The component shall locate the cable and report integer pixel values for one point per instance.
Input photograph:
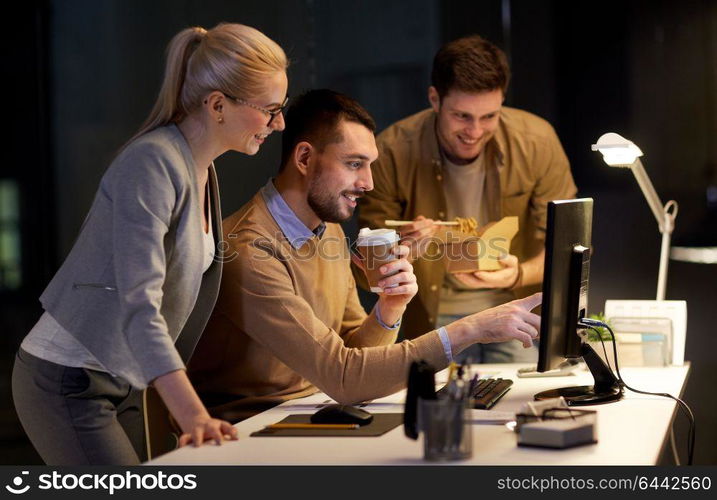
(592, 324)
(604, 349)
(673, 447)
(682, 405)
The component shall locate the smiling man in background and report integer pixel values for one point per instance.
(468, 156)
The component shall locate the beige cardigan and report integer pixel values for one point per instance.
(288, 322)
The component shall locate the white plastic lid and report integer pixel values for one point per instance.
(372, 237)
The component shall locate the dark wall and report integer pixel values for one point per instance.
(647, 73)
(106, 75)
(26, 163)
(102, 90)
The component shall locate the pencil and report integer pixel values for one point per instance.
(314, 426)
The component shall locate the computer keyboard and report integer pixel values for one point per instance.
(488, 391)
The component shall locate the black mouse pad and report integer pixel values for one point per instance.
(381, 424)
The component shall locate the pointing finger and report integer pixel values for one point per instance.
(530, 302)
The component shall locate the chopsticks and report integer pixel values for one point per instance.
(394, 223)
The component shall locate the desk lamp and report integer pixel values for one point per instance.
(620, 152)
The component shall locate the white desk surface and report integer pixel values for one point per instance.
(630, 432)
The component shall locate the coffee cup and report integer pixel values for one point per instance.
(376, 247)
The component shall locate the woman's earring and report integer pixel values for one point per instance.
(221, 119)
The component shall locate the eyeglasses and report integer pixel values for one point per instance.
(271, 112)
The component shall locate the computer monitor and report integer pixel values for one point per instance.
(565, 302)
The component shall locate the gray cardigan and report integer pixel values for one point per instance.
(133, 281)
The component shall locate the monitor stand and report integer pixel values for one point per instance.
(605, 390)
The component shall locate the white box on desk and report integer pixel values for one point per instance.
(675, 310)
(643, 342)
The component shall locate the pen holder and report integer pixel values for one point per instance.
(446, 428)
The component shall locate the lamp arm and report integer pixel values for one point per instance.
(665, 216)
(648, 190)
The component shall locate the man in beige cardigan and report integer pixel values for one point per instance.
(288, 321)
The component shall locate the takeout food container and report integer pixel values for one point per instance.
(468, 253)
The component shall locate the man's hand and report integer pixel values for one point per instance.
(511, 321)
(417, 236)
(398, 289)
(507, 277)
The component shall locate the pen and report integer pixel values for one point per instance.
(313, 426)
(460, 385)
(473, 383)
(452, 370)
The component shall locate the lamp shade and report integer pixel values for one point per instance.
(616, 150)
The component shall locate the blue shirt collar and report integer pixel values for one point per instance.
(294, 230)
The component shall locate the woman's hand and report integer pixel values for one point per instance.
(205, 428)
(189, 412)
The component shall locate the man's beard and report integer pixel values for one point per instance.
(324, 204)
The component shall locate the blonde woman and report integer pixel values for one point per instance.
(144, 272)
